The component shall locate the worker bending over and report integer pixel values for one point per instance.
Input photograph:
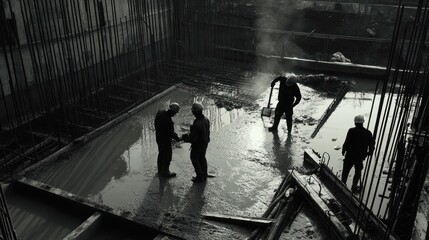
(289, 96)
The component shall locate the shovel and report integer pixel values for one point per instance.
(267, 111)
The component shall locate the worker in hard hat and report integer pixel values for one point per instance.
(164, 128)
(358, 145)
(199, 137)
(289, 96)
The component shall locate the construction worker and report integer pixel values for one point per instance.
(359, 143)
(164, 128)
(289, 96)
(199, 138)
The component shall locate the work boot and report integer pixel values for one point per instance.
(169, 174)
(272, 129)
(197, 180)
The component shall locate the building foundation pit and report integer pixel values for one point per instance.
(128, 156)
(116, 168)
(137, 172)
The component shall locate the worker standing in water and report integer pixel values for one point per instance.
(164, 128)
(199, 137)
(289, 96)
(358, 145)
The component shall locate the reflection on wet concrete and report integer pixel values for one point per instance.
(282, 152)
(118, 168)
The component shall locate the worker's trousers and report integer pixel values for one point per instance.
(165, 154)
(281, 109)
(199, 161)
(347, 166)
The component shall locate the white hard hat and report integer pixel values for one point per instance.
(197, 107)
(175, 107)
(359, 119)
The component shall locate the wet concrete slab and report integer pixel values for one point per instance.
(118, 168)
(36, 217)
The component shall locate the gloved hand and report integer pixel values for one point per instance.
(185, 137)
(273, 83)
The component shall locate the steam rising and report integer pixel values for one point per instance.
(274, 15)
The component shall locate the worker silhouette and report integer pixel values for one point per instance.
(359, 143)
(164, 128)
(199, 137)
(289, 96)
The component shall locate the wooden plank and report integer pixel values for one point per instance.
(330, 109)
(47, 136)
(311, 158)
(286, 217)
(120, 99)
(354, 203)
(327, 196)
(314, 196)
(84, 230)
(248, 221)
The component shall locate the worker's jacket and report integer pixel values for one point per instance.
(200, 133)
(288, 95)
(164, 127)
(358, 144)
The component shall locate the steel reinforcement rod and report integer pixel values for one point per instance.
(415, 80)
(7, 229)
(77, 47)
(28, 96)
(57, 73)
(384, 86)
(92, 47)
(116, 39)
(33, 45)
(412, 56)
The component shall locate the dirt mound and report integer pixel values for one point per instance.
(325, 84)
(227, 104)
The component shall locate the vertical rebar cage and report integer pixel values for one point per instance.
(6, 226)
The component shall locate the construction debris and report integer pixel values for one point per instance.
(247, 221)
(339, 57)
(328, 85)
